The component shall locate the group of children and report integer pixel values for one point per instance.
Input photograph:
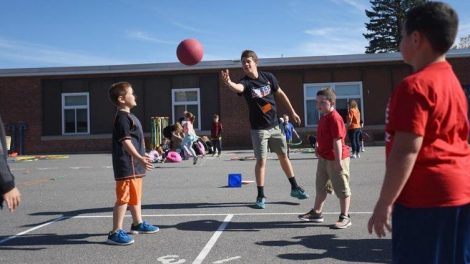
(181, 142)
(425, 194)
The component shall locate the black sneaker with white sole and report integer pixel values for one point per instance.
(312, 216)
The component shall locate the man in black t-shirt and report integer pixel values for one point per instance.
(261, 91)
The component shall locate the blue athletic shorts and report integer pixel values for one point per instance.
(431, 235)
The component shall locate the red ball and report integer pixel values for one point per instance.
(190, 51)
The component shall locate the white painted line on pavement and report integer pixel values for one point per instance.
(192, 215)
(55, 168)
(216, 235)
(226, 260)
(32, 229)
(213, 240)
(79, 168)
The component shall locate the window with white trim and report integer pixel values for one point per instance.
(75, 114)
(345, 91)
(187, 99)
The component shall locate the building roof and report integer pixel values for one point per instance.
(210, 65)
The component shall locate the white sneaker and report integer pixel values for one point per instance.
(353, 156)
(358, 155)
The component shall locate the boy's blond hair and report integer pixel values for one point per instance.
(328, 93)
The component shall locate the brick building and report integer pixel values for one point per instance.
(66, 109)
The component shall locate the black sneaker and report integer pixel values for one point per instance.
(312, 216)
(344, 221)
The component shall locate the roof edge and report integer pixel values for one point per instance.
(210, 65)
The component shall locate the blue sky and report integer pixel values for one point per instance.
(56, 33)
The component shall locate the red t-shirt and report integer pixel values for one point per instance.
(331, 126)
(431, 103)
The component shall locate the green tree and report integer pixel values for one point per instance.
(464, 43)
(386, 19)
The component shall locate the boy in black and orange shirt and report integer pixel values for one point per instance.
(129, 165)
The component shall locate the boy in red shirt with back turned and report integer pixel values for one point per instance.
(426, 190)
(333, 161)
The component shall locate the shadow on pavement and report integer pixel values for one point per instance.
(350, 250)
(211, 225)
(49, 239)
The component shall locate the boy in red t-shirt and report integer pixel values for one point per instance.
(426, 190)
(333, 161)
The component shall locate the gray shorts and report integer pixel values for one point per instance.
(273, 137)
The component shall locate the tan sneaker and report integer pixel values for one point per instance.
(344, 221)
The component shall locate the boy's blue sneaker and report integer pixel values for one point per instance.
(299, 193)
(144, 228)
(260, 203)
(120, 237)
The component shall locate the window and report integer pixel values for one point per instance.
(75, 114)
(344, 92)
(186, 100)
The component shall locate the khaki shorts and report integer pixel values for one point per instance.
(273, 137)
(129, 191)
(326, 171)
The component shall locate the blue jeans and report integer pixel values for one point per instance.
(431, 235)
(353, 135)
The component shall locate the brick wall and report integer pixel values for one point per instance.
(234, 115)
(20, 102)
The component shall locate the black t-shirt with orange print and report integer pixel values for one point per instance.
(127, 126)
(259, 95)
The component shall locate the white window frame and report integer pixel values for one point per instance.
(198, 102)
(333, 86)
(87, 107)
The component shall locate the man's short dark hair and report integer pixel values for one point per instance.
(249, 53)
(435, 20)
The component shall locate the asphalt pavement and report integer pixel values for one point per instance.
(66, 213)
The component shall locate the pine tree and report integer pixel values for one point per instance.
(384, 27)
(464, 43)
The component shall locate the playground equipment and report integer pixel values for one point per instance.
(158, 123)
(17, 142)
